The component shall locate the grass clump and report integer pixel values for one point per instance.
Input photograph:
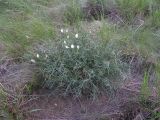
(80, 66)
(22, 5)
(144, 8)
(155, 17)
(149, 97)
(145, 90)
(18, 36)
(22, 25)
(141, 40)
(16, 5)
(73, 13)
(4, 113)
(130, 9)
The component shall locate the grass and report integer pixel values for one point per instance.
(73, 13)
(155, 18)
(145, 90)
(4, 113)
(19, 35)
(80, 71)
(96, 65)
(128, 10)
(132, 8)
(157, 81)
(146, 93)
(20, 28)
(107, 32)
(143, 38)
(139, 41)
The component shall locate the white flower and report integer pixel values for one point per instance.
(66, 47)
(78, 47)
(33, 61)
(72, 46)
(55, 104)
(46, 56)
(90, 31)
(67, 36)
(66, 30)
(27, 36)
(65, 42)
(37, 55)
(76, 36)
(62, 31)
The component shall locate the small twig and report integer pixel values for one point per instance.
(133, 84)
(114, 113)
(6, 91)
(28, 101)
(137, 91)
(120, 19)
(142, 23)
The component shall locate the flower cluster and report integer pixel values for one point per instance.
(66, 45)
(62, 30)
(75, 63)
(38, 56)
(72, 46)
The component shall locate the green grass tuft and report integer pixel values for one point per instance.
(73, 13)
(90, 70)
(21, 25)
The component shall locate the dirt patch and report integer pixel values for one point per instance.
(13, 79)
(124, 106)
(53, 108)
(15, 76)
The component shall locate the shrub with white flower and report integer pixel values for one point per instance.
(78, 47)
(76, 35)
(66, 30)
(33, 61)
(65, 42)
(66, 47)
(37, 55)
(91, 70)
(72, 46)
(46, 56)
(27, 37)
(62, 30)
